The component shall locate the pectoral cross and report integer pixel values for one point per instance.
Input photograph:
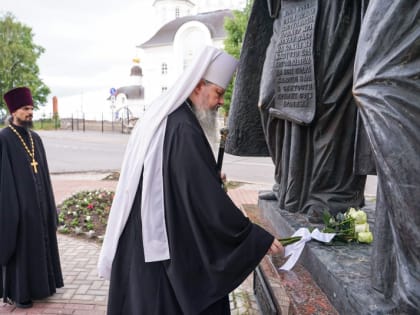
(34, 165)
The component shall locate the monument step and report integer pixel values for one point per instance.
(342, 272)
(285, 293)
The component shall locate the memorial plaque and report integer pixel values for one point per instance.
(295, 97)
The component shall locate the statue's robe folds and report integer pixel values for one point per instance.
(387, 91)
(28, 221)
(213, 246)
(315, 165)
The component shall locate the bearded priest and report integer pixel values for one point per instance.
(28, 217)
(175, 242)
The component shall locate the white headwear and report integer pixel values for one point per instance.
(145, 151)
(221, 70)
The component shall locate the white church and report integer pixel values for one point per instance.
(183, 28)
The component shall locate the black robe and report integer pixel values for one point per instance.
(28, 221)
(213, 246)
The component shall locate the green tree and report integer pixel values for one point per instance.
(235, 28)
(18, 61)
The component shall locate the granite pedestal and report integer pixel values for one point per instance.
(341, 271)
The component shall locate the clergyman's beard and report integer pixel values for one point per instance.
(26, 124)
(23, 123)
(208, 121)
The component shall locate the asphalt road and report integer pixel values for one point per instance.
(75, 152)
(72, 152)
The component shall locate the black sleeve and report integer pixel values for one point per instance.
(193, 172)
(9, 208)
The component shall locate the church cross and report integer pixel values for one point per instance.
(34, 165)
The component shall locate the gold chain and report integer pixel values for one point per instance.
(34, 163)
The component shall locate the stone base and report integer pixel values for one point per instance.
(341, 271)
(285, 293)
(270, 293)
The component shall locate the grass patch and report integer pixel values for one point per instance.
(46, 124)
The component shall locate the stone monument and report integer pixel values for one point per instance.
(330, 90)
(387, 91)
(303, 88)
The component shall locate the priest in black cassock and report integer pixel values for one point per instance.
(28, 218)
(175, 242)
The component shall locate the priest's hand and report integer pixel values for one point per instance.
(276, 248)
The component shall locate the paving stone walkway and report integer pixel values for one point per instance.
(84, 292)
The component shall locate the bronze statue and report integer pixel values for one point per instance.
(304, 93)
(387, 91)
(300, 62)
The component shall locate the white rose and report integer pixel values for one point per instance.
(365, 237)
(360, 217)
(364, 227)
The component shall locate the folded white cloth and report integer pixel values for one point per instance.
(295, 250)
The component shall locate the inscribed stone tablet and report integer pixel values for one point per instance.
(294, 62)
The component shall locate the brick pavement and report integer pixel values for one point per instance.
(84, 293)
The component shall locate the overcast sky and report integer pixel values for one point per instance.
(89, 44)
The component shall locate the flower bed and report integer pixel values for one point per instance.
(85, 214)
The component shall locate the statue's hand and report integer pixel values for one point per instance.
(264, 103)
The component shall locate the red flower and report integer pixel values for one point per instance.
(90, 206)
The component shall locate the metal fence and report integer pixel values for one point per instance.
(85, 121)
(81, 124)
(78, 122)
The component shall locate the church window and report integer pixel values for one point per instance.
(164, 88)
(164, 68)
(176, 12)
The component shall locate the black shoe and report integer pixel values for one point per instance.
(267, 195)
(26, 304)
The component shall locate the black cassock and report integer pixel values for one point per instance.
(213, 246)
(28, 221)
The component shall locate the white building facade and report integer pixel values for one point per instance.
(187, 26)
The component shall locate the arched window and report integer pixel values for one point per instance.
(164, 88)
(176, 12)
(164, 68)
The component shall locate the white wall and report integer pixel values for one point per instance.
(213, 5)
(153, 80)
(190, 37)
(165, 10)
(189, 40)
